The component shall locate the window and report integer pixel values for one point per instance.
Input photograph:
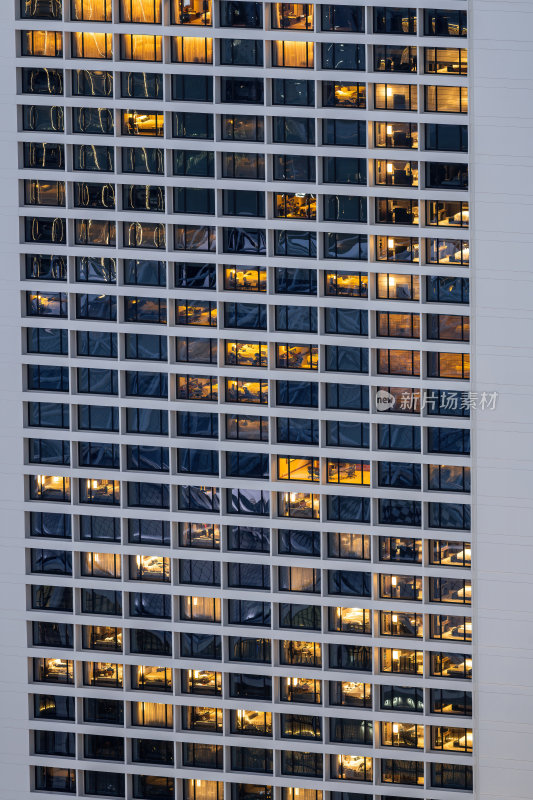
(192, 50)
(393, 58)
(344, 132)
(447, 137)
(440, 22)
(343, 55)
(446, 99)
(343, 95)
(394, 20)
(291, 92)
(396, 97)
(185, 12)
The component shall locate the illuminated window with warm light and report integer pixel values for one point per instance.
(403, 135)
(451, 665)
(446, 60)
(401, 623)
(301, 690)
(448, 251)
(141, 11)
(100, 491)
(44, 44)
(298, 469)
(396, 173)
(295, 206)
(50, 487)
(343, 471)
(297, 55)
(346, 284)
(203, 682)
(397, 287)
(398, 362)
(192, 50)
(150, 568)
(292, 16)
(450, 628)
(405, 662)
(101, 673)
(446, 99)
(152, 679)
(299, 504)
(352, 767)
(404, 326)
(140, 47)
(448, 365)
(142, 123)
(350, 693)
(395, 97)
(91, 10)
(152, 715)
(246, 391)
(245, 279)
(402, 734)
(456, 740)
(350, 620)
(296, 356)
(400, 587)
(191, 12)
(200, 609)
(350, 95)
(92, 45)
(254, 723)
(349, 545)
(246, 354)
(397, 248)
(447, 213)
(101, 565)
(450, 554)
(200, 534)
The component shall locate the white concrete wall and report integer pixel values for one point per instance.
(14, 777)
(502, 310)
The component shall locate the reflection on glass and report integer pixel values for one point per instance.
(246, 354)
(458, 740)
(245, 279)
(245, 391)
(200, 534)
(296, 356)
(91, 10)
(143, 11)
(346, 284)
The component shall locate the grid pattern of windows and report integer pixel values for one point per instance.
(217, 403)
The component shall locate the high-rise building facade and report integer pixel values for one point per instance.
(247, 475)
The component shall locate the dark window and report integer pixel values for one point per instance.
(242, 90)
(290, 92)
(343, 55)
(192, 88)
(394, 20)
(447, 137)
(344, 132)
